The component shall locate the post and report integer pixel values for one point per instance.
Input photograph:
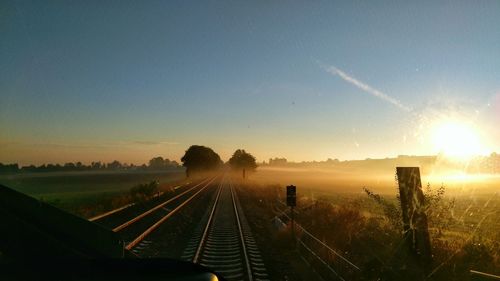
(243, 173)
(291, 201)
(414, 218)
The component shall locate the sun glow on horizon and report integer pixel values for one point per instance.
(456, 139)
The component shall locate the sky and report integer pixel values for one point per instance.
(305, 80)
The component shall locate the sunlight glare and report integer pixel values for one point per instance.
(456, 139)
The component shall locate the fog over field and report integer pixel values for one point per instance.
(352, 180)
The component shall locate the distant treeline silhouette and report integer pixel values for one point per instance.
(156, 163)
(479, 164)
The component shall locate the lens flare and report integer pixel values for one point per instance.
(456, 139)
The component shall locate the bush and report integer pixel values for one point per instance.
(143, 192)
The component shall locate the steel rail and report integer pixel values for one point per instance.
(162, 220)
(223, 240)
(207, 227)
(110, 212)
(137, 218)
(240, 230)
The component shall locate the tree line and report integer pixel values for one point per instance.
(156, 163)
(197, 158)
(200, 158)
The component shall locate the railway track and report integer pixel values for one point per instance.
(223, 240)
(135, 229)
(117, 217)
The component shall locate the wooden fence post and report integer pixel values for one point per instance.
(414, 218)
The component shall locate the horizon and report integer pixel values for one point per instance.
(83, 81)
(258, 161)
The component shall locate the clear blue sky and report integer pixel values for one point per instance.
(103, 80)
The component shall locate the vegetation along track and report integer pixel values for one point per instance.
(223, 241)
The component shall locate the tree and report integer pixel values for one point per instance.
(69, 166)
(241, 160)
(115, 165)
(157, 163)
(96, 165)
(142, 192)
(200, 158)
(9, 168)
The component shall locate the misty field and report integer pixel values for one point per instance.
(463, 216)
(86, 193)
(314, 182)
(475, 198)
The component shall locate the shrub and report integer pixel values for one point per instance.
(143, 192)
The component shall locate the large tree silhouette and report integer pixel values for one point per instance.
(200, 158)
(241, 160)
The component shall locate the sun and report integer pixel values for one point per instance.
(456, 139)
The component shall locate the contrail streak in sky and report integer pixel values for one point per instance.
(365, 87)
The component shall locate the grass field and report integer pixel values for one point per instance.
(85, 193)
(464, 225)
(342, 180)
(476, 205)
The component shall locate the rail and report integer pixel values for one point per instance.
(148, 231)
(244, 248)
(139, 217)
(224, 242)
(205, 231)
